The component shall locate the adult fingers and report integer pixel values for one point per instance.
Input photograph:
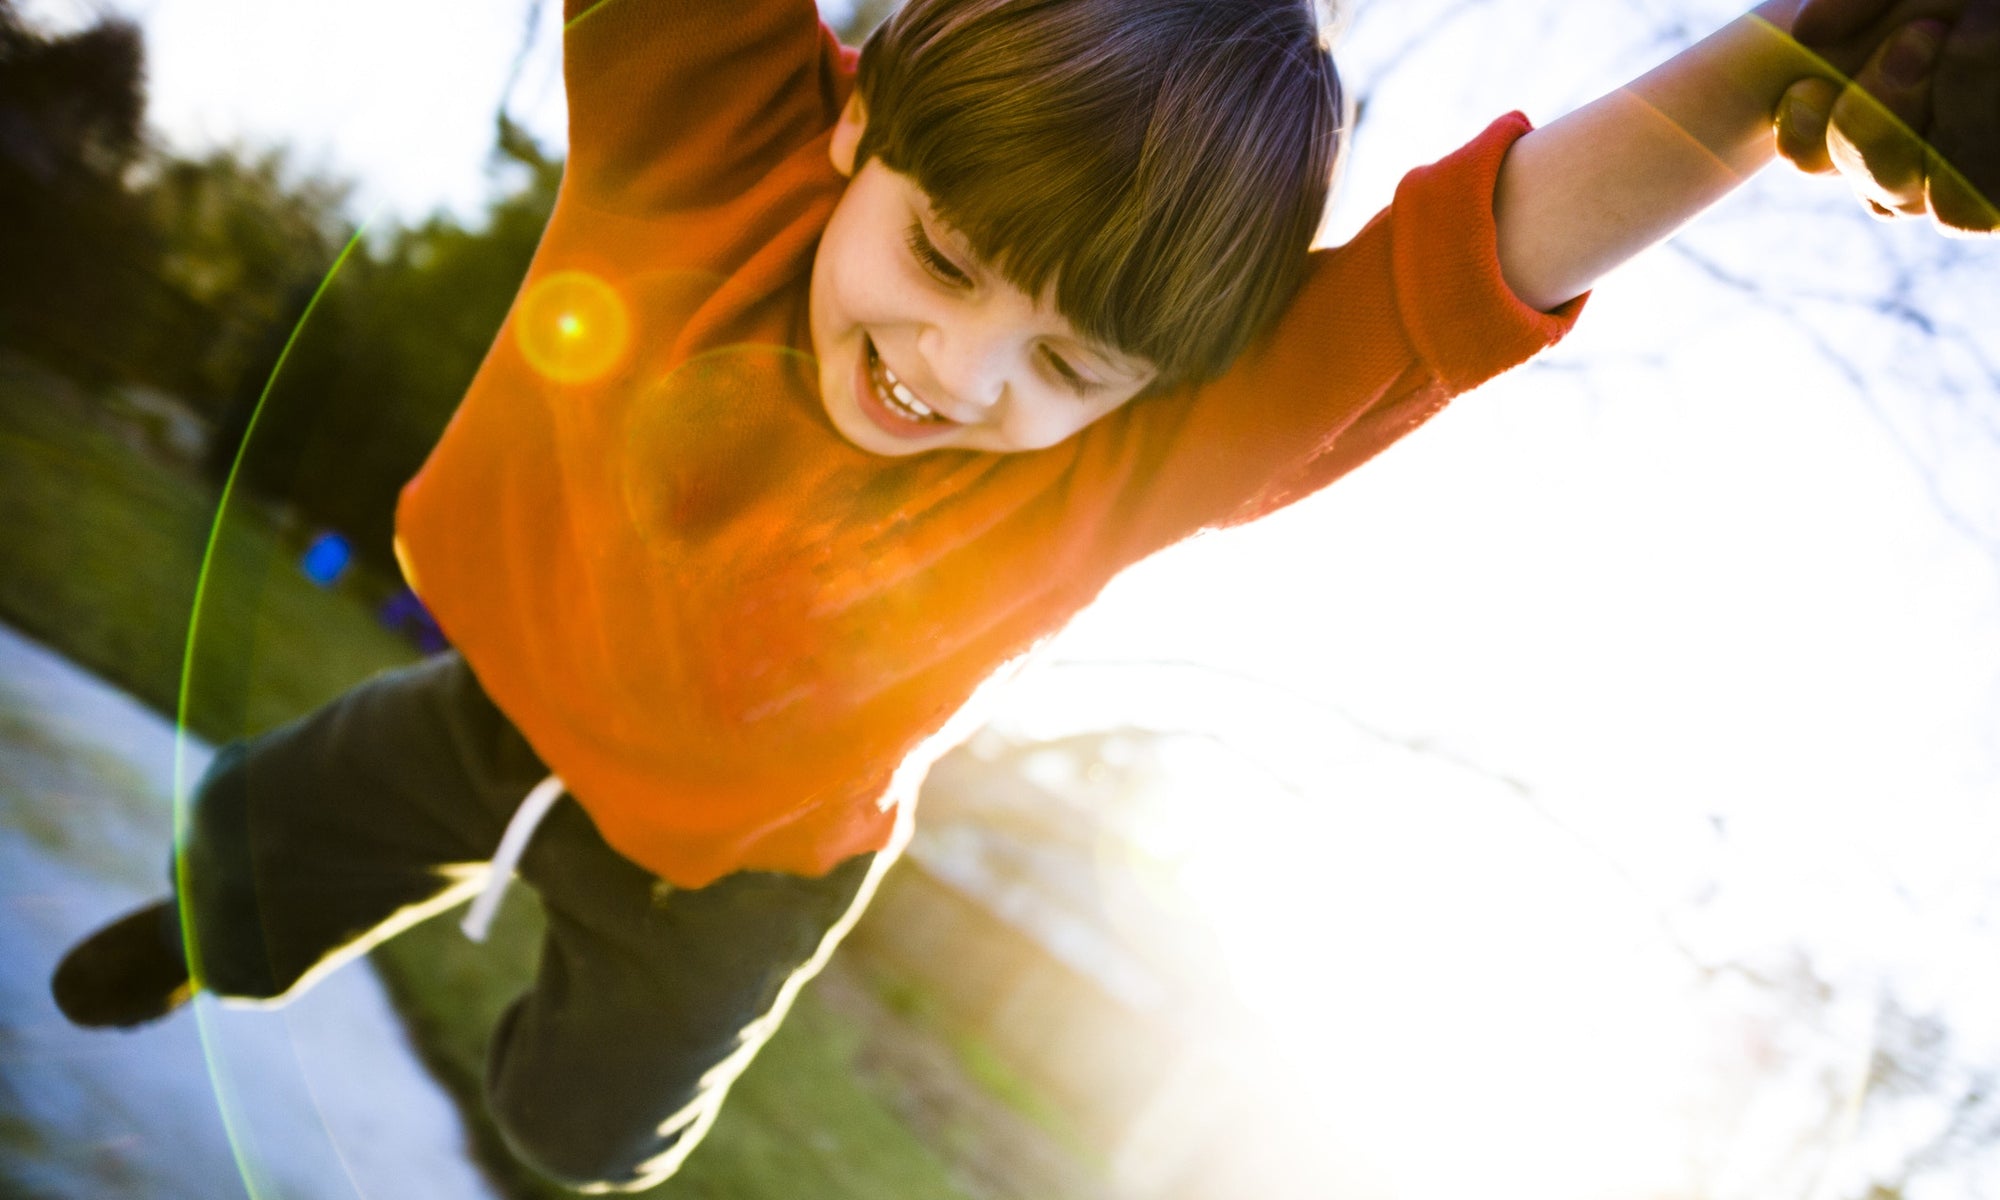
(1872, 132)
(1960, 209)
(1823, 21)
(1964, 193)
(1849, 52)
(1803, 113)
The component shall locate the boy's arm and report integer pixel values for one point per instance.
(1581, 195)
(679, 104)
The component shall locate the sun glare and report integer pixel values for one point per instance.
(1444, 988)
(1434, 990)
(572, 326)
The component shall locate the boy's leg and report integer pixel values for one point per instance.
(312, 842)
(317, 840)
(649, 1002)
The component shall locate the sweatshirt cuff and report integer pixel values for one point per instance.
(1463, 319)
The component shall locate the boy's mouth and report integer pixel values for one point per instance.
(889, 402)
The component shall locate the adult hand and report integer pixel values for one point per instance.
(1916, 131)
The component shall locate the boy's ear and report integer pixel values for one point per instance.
(847, 133)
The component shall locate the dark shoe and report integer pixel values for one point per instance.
(128, 973)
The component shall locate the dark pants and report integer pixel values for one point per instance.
(315, 841)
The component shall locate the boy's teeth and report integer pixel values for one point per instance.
(898, 394)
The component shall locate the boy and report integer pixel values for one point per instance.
(827, 395)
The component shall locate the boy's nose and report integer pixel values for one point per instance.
(969, 366)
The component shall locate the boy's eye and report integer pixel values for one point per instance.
(1070, 377)
(933, 259)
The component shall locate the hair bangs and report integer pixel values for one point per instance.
(1160, 168)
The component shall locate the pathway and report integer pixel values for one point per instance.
(333, 1101)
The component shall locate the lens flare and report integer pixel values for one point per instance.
(572, 327)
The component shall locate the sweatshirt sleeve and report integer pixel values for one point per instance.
(1384, 331)
(1465, 322)
(677, 104)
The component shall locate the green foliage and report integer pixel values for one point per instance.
(125, 262)
(72, 102)
(75, 242)
(129, 264)
(240, 238)
(388, 350)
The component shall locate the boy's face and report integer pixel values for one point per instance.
(923, 347)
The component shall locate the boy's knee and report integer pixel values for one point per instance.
(583, 1137)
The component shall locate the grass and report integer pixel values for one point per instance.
(103, 547)
(100, 559)
(917, 1009)
(801, 1122)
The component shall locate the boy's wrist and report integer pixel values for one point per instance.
(1585, 193)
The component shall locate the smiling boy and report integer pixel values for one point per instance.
(984, 366)
(1055, 210)
(826, 397)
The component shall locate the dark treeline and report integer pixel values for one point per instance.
(123, 263)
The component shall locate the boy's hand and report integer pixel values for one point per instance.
(1916, 131)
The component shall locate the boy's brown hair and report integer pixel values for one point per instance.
(1164, 163)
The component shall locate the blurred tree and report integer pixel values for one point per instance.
(70, 103)
(127, 263)
(76, 243)
(239, 236)
(384, 357)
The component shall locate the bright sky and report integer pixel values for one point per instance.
(1683, 581)
(400, 97)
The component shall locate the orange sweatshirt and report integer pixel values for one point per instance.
(726, 628)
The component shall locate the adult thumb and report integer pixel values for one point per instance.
(1803, 113)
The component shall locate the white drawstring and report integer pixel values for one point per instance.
(513, 843)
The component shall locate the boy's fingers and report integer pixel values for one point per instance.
(1965, 124)
(1801, 125)
(1872, 133)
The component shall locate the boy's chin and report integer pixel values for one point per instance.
(854, 428)
(856, 432)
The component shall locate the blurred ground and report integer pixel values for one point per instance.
(336, 1104)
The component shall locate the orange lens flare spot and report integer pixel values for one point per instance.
(572, 326)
